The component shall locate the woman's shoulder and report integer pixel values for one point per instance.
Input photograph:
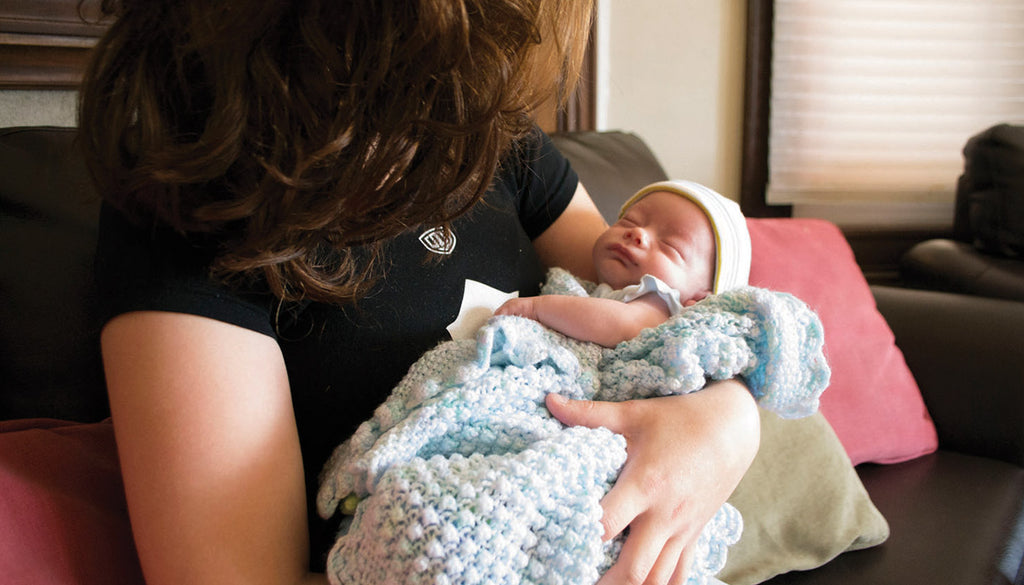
(539, 179)
(147, 266)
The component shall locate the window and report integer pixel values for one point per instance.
(871, 101)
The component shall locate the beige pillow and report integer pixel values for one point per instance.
(802, 503)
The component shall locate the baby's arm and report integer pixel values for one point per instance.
(603, 321)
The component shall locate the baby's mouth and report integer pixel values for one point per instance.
(623, 254)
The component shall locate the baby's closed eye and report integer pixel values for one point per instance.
(673, 248)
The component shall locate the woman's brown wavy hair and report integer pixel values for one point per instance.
(316, 130)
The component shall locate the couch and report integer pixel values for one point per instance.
(932, 471)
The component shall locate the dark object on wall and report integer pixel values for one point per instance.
(990, 193)
(985, 257)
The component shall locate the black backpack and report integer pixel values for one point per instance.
(990, 192)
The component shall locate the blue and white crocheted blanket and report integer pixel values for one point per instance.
(463, 476)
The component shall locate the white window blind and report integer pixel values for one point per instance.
(873, 100)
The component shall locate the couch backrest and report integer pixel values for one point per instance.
(612, 165)
(49, 350)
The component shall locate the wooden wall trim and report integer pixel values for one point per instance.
(44, 44)
(580, 112)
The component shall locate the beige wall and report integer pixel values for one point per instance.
(672, 71)
(37, 108)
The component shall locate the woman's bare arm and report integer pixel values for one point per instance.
(568, 243)
(209, 451)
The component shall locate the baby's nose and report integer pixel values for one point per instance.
(637, 237)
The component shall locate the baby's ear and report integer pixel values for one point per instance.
(699, 296)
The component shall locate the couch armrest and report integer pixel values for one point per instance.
(966, 355)
(949, 265)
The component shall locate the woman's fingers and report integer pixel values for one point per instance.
(588, 413)
(650, 557)
(683, 566)
(623, 502)
(639, 554)
(621, 505)
(672, 563)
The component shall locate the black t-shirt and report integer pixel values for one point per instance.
(342, 361)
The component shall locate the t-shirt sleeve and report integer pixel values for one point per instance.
(546, 183)
(143, 269)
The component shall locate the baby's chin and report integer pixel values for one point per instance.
(615, 278)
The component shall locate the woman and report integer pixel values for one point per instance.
(297, 193)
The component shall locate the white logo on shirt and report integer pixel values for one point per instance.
(438, 240)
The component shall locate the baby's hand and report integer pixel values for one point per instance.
(520, 307)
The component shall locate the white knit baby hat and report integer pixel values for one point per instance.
(732, 240)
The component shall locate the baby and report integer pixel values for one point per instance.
(675, 243)
(464, 476)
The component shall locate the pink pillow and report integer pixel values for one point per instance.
(62, 505)
(873, 402)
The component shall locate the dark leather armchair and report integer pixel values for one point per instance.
(985, 255)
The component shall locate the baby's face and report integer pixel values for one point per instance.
(664, 235)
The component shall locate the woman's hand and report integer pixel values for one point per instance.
(686, 454)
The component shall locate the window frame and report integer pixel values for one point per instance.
(756, 104)
(877, 250)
